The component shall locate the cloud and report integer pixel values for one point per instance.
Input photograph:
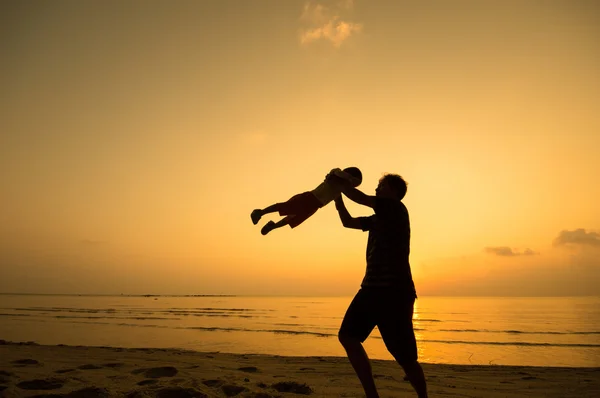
(506, 251)
(326, 23)
(557, 273)
(577, 237)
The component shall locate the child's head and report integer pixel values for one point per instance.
(354, 172)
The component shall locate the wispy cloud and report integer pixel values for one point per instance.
(331, 23)
(505, 251)
(577, 237)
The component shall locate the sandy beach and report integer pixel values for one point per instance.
(31, 370)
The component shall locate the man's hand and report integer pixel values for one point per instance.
(331, 177)
(347, 220)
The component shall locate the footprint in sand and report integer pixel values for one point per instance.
(155, 373)
(88, 392)
(249, 369)
(147, 382)
(213, 383)
(41, 384)
(60, 371)
(293, 387)
(231, 390)
(4, 377)
(169, 392)
(259, 395)
(179, 392)
(89, 366)
(528, 378)
(113, 365)
(23, 362)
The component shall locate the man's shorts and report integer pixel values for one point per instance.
(391, 312)
(299, 207)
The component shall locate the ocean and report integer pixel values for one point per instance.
(556, 331)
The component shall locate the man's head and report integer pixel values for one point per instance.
(356, 173)
(391, 186)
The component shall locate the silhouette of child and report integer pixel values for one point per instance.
(303, 205)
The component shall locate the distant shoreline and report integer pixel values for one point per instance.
(117, 295)
(262, 295)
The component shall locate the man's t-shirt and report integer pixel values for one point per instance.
(388, 247)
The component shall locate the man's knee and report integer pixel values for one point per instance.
(347, 340)
(410, 367)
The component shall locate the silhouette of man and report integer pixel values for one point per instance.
(387, 294)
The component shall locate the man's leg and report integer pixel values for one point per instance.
(360, 362)
(414, 373)
(399, 337)
(358, 323)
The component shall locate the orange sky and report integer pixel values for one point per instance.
(135, 139)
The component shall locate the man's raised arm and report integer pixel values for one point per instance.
(352, 193)
(347, 220)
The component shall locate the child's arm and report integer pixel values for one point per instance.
(346, 176)
(352, 193)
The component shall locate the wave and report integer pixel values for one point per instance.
(4, 314)
(275, 331)
(519, 331)
(198, 312)
(139, 318)
(515, 343)
(331, 335)
(153, 310)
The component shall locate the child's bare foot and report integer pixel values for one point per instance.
(267, 228)
(255, 216)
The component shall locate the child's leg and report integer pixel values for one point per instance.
(270, 209)
(258, 213)
(274, 225)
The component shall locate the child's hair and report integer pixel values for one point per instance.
(397, 184)
(354, 172)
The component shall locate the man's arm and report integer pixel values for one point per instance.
(358, 196)
(352, 193)
(347, 220)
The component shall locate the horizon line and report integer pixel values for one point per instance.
(274, 295)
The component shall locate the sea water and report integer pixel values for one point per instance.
(540, 331)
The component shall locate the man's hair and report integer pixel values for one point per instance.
(354, 172)
(396, 183)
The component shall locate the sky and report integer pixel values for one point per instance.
(136, 138)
